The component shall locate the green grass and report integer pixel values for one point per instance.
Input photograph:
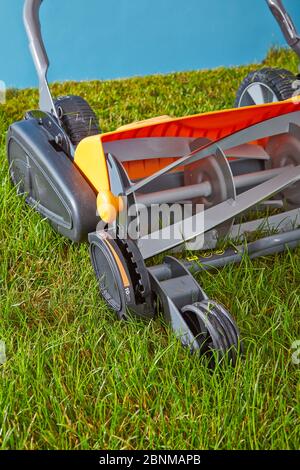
(76, 378)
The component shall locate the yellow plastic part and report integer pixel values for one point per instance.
(136, 124)
(90, 159)
(108, 206)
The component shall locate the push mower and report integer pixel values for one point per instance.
(221, 167)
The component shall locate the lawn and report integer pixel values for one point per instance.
(76, 378)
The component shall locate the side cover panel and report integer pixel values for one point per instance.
(50, 180)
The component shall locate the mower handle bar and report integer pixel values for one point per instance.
(41, 61)
(38, 51)
(286, 24)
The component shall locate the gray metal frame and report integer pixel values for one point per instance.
(265, 246)
(159, 241)
(267, 128)
(38, 52)
(286, 24)
(127, 150)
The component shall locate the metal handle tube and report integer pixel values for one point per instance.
(38, 52)
(286, 24)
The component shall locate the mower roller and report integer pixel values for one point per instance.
(215, 169)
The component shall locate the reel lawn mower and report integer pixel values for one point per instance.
(94, 187)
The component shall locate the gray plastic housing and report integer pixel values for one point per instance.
(50, 181)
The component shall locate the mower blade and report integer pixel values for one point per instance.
(160, 241)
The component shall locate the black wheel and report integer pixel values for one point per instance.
(122, 275)
(77, 118)
(265, 86)
(214, 329)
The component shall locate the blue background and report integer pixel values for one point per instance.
(99, 39)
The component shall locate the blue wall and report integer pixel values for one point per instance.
(89, 39)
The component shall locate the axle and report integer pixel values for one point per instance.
(262, 247)
(203, 189)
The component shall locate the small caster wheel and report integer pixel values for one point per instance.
(214, 329)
